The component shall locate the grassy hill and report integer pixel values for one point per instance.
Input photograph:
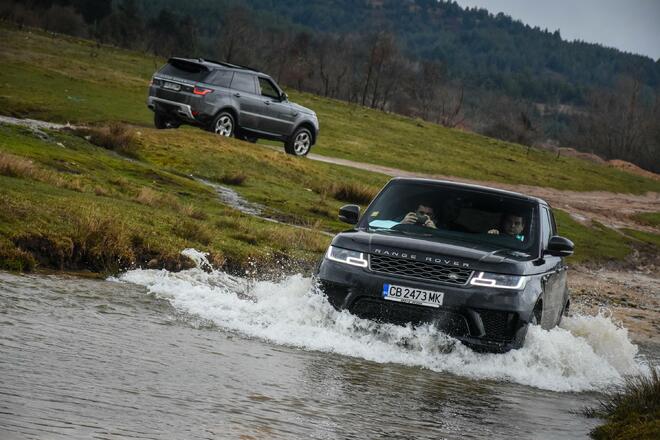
(72, 204)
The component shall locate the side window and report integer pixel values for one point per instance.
(268, 88)
(221, 78)
(243, 82)
(546, 227)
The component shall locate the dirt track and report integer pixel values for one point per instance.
(611, 209)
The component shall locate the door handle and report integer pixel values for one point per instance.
(267, 102)
(238, 95)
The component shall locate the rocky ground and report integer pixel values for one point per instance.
(632, 297)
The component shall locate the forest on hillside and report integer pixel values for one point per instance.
(434, 60)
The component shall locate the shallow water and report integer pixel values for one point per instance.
(155, 354)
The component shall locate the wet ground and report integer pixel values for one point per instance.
(155, 354)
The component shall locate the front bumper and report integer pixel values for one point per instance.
(483, 318)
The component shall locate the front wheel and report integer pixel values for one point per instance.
(537, 314)
(300, 143)
(223, 124)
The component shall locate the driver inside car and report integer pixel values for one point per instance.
(422, 216)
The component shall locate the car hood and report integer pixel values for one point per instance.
(448, 253)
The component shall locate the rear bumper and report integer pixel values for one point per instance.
(482, 318)
(178, 108)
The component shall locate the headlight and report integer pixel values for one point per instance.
(347, 257)
(498, 281)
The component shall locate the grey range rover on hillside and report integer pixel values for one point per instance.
(479, 263)
(230, 100)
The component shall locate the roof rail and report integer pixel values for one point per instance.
(230, 65)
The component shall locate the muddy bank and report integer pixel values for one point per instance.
(632, 297)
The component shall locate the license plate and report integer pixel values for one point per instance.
(171, 86)
(429, 298)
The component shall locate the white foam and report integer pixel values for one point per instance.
(585, 353)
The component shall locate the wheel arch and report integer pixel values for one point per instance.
(308, 125)
(229, 109)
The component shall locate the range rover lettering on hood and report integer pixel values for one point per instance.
(411, 256)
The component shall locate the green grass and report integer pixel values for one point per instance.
(66, 79)
(59, 194)
(646, 237)
(78, 186)
(595, 243)
(648, 218)
(632, 412)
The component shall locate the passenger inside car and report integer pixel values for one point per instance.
(512, 225)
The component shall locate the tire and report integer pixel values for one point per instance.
(162, 122)
(299, 143)
(537, 315)
(224, 124)
(564, 312)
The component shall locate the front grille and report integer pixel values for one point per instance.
(498, 325)
(419, 269)
(382, 310)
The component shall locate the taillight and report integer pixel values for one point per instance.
(201, 91)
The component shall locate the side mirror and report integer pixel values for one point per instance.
(284, 97)
(560, 246)
(349, 214)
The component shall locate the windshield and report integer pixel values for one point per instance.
(441, 213)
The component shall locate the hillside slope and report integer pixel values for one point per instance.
(72, 204)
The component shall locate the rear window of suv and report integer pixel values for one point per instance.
(184, 70)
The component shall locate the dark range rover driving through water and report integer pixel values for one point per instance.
(230, 100)
(479, 263)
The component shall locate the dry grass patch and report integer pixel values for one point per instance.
(15, 259)
(97, 242)
(115, 136)
(19, 167)
(15, 166)
(353, 192)
(233, 178)
(153, 198)
(193, 231)
(192, 211)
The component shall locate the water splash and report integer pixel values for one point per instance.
(585, 353)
